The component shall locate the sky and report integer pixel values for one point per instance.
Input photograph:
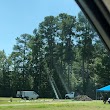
(23, 16)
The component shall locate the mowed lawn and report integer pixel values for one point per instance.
(49, 104)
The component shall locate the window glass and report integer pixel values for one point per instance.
(51, 48)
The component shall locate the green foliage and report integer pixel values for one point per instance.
(63, 47)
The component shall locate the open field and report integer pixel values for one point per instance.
(49, 104)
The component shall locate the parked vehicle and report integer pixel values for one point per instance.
(27, 95)
(70, 95)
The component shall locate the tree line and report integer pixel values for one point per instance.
(64, 49)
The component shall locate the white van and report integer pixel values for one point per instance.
(27, 94)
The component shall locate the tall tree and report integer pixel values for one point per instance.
(102, 64)
(20, 54)
(5, 75)
(67, 28)
(85, 37)
(48, 30)
(38, 64)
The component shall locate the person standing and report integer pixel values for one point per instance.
(105, 98)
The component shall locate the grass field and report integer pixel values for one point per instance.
(49, 104)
